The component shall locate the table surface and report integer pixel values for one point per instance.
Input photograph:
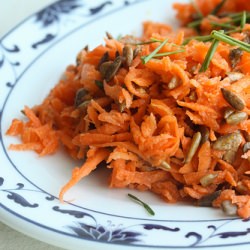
(9, 238)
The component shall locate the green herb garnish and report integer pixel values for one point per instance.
(243, 20)
(152, 40)
(230, 40)
(209, 55)
(218, 7)
(145, 59)
(166, 53)
(146, 206)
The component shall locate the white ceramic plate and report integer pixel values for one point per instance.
(32, 58)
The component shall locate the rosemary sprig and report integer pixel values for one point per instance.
(152, 54)
(209, 55)
(146, 206)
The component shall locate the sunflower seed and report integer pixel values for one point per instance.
(173, 83)
(236, 118)
(128, 55)
(235, 76)
(109, 36)
(104, 67)
(208, 179)
(235, 56)
(227, 112)
(136, 52)
(204, 134)
(81, 96)
(193, 147)
(228, 142)
(234, 100)
(246, 147)
(229, 156)
(207, 201)
(113, 68)
(229, 208)
(103, 59)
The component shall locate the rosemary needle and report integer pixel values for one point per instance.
(146, 206)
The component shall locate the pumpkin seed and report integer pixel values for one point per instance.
(174, 83)
(104, 67)
(207, 200)
(229, 208)
(235, 56)
(235, 76)
(208, 179)
(103, 59)
(236, 118)
(234, 100)
(227, 112)
(81, 96)
(84, 104)
(204, 134)
(109, 36)
(128, 55)
(228, 142)
(113, 68)
(193, 147)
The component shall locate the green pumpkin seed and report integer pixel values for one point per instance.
(207, 201)
(193, 147)
(229, 208)
(234, 100)
(236, 118)
(228, 142)
(208, 179)
(128, 55)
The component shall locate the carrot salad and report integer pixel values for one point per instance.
(168, 111)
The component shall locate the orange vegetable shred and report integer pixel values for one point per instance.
(142, 121)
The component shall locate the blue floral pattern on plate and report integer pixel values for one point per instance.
(19, 195)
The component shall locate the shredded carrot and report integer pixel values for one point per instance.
(144, 120)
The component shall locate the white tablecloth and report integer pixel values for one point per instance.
(11, 13)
